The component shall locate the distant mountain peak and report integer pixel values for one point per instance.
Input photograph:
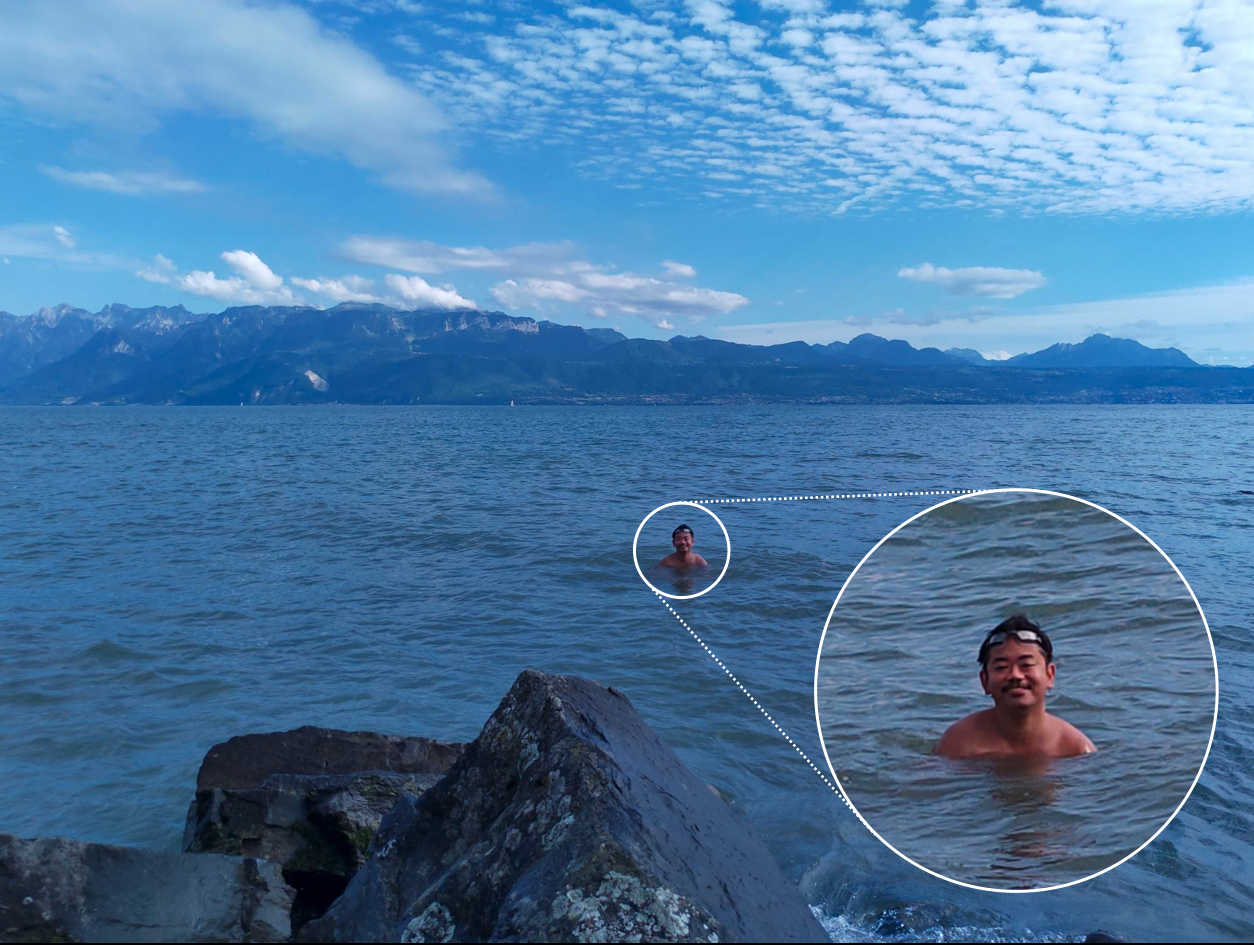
(52, 315)
(894, 352)
(1102, 350)
(967, 354)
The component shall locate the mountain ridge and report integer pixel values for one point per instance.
(1101, 350)
(371, 353)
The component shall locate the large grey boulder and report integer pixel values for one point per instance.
(567, 819)
(310, 800)
(246, 760)
(58, 890)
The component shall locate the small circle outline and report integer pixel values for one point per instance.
(636, 558)
(1187, 794)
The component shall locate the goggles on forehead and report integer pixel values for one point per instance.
(1023, 636)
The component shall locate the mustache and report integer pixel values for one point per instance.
(1009, 686)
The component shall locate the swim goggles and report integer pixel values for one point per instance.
(1023, 636)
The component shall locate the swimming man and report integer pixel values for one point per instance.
(1016, 670)
(684, 556)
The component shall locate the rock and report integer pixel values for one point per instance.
(308, 806)
(317, 828)
(567, 819)
(57, 890)
(246, 760)
(1100, 936)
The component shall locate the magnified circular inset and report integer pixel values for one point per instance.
(693, 556)
(1016, 690)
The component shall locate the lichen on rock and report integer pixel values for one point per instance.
(434, 925)
(623, 909)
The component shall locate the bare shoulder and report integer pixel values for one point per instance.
(962, 739)
(1071, 740)
(701, 562)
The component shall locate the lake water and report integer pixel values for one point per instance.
(175, 576)
(1136, 674)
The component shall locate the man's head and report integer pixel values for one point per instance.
(1017, 664)
(682, 538)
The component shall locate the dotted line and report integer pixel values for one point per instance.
(848, 495)
(757, 705)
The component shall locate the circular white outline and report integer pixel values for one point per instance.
(636, 559)
(958, 882)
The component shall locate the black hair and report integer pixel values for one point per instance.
(1015, 625)
(683, 528)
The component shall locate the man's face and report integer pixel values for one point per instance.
(682, 541)
(1017, 675)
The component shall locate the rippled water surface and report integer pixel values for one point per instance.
(1136, 674)
(170, 577)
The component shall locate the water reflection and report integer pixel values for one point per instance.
(1008, 821)
(683, 581)
(1022, 791)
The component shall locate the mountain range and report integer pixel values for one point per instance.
(368, 353)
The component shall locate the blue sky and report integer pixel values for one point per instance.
(977, 173)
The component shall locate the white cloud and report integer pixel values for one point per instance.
(161, 270)
(987, 281)
(254, 284)
(1001, 354)
(206, 282)
(424, 256)
(525, 293)
(678, 269)
(128, 64)
(623, 292)
(797, 37)
(1079, 106)
(344, 289)
(125, 182)
(540, 276)
(416, 291)
(54, 242)
(408, 291)
(407, 43)
(249, 265)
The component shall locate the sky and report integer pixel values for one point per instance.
(973, 173)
